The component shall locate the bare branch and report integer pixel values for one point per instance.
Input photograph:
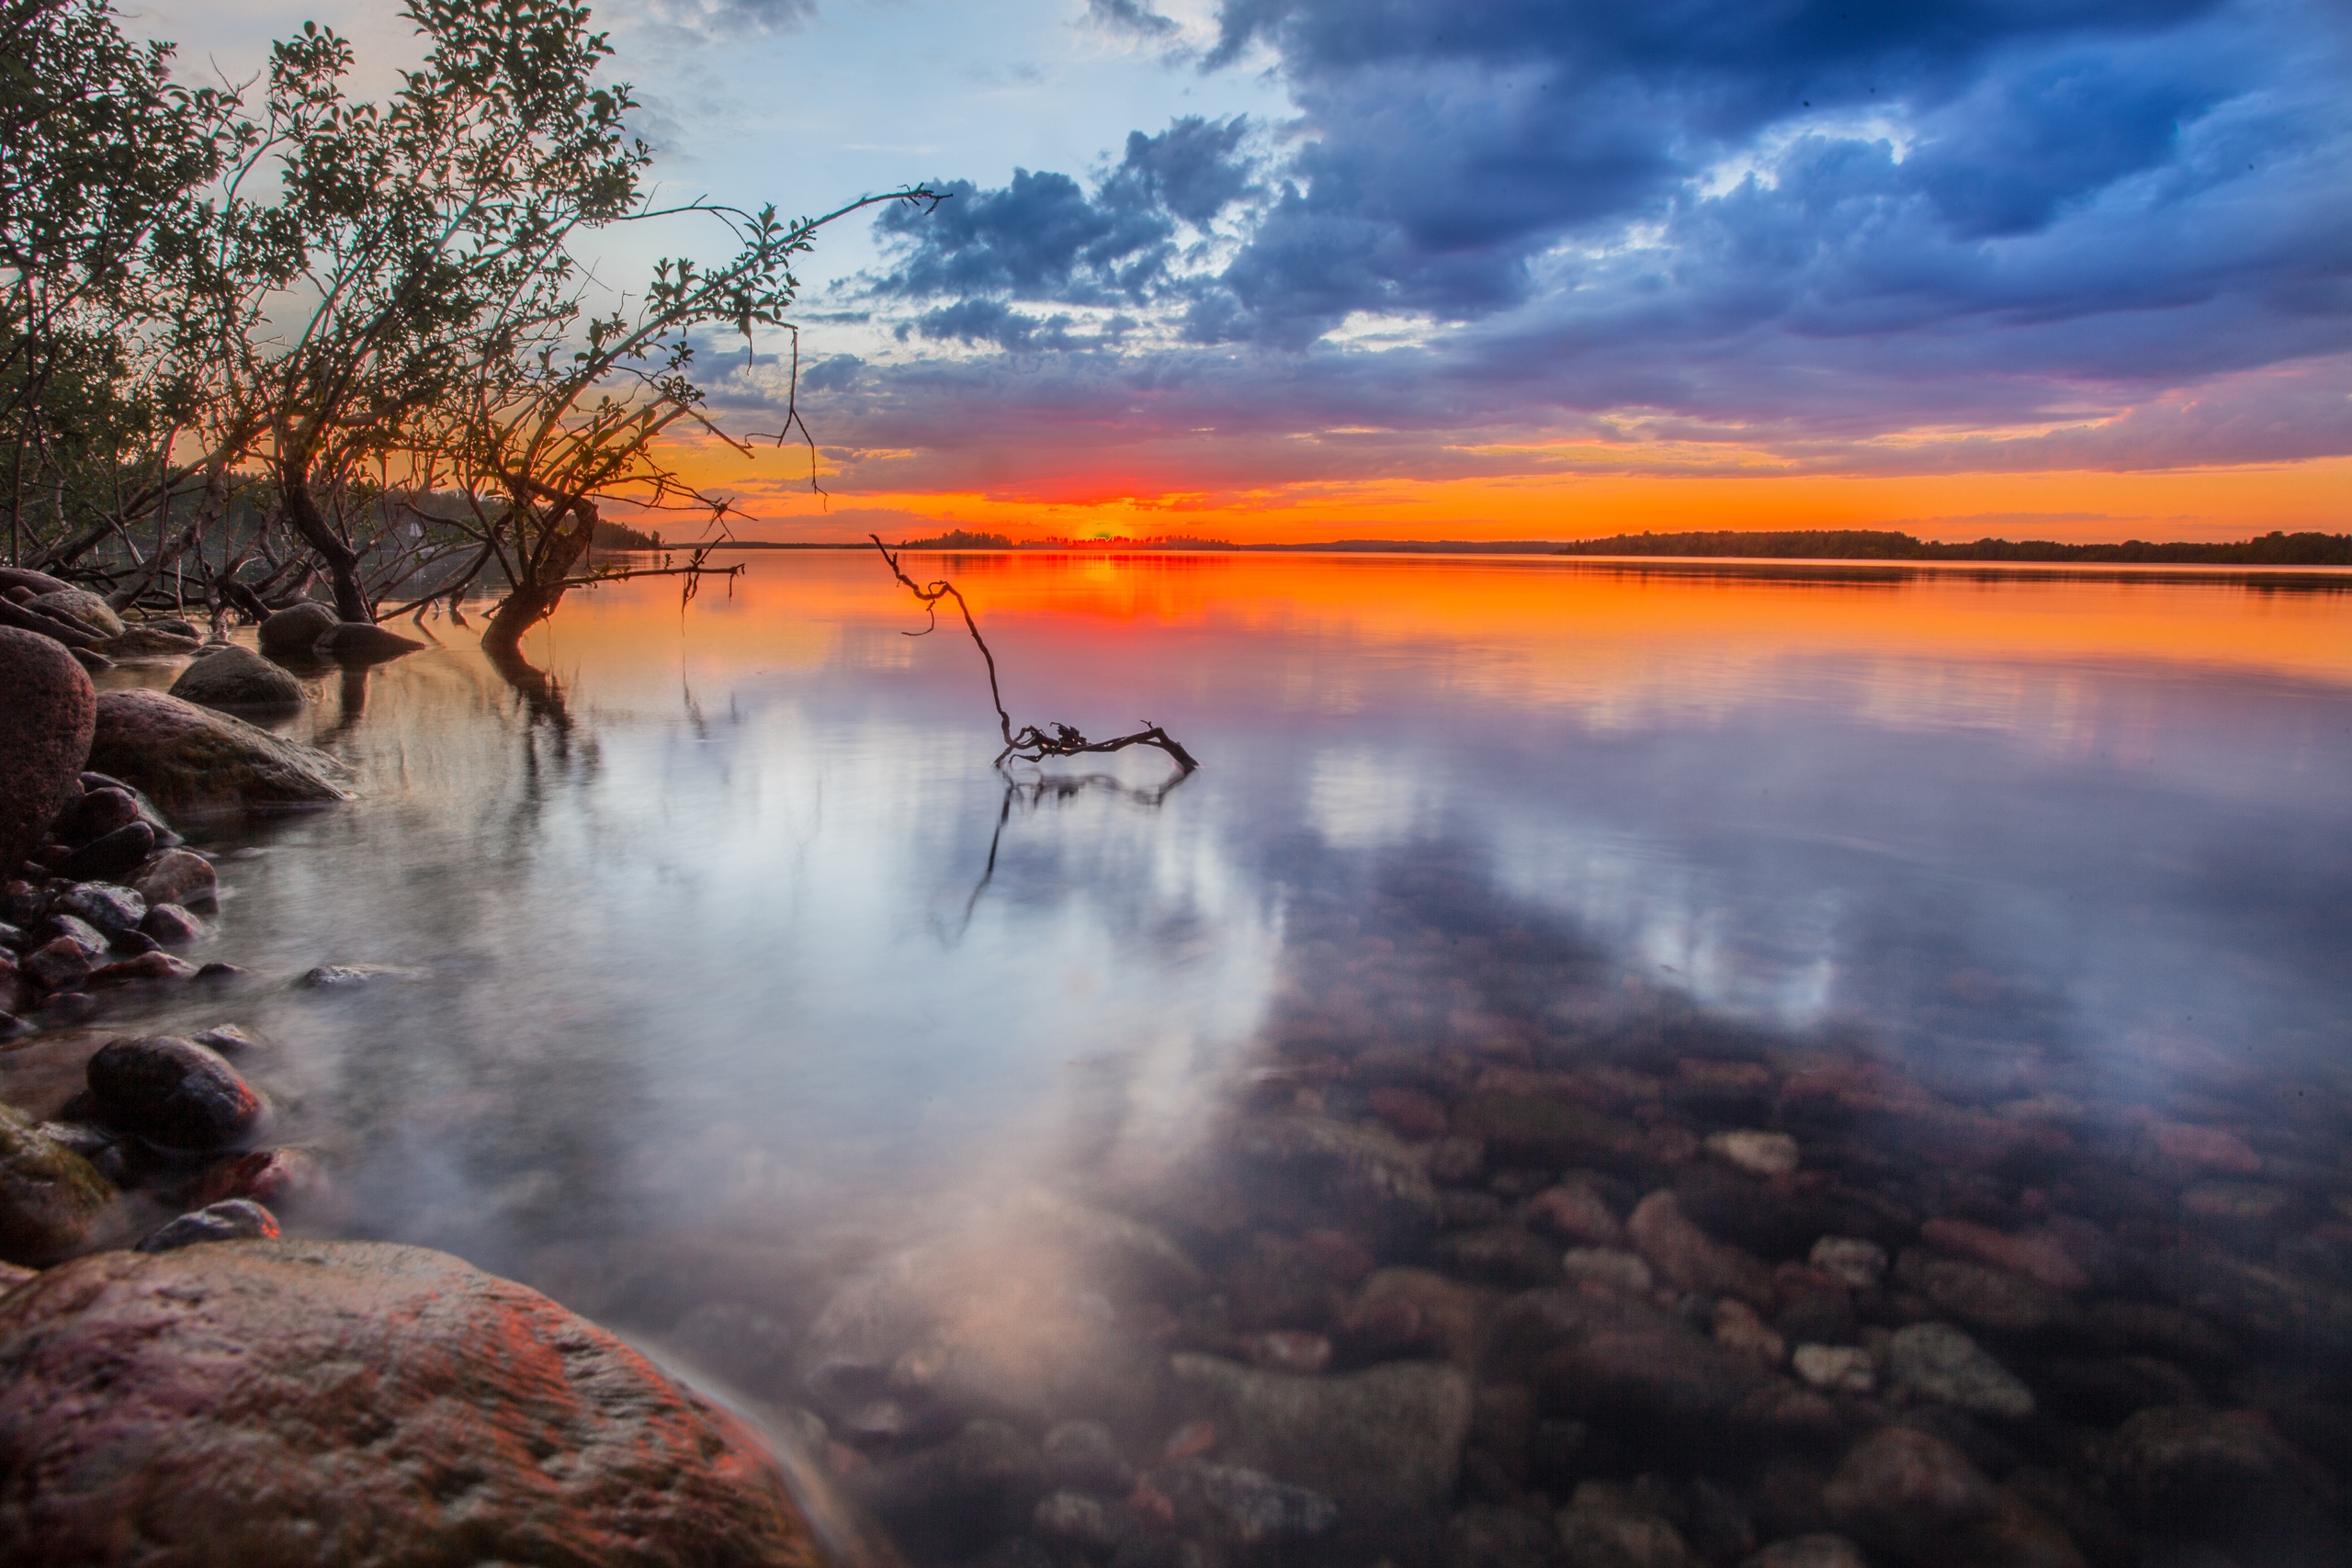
(1029, 743)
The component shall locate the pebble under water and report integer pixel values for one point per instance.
(1603, 1067)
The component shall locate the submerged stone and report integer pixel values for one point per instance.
(1756, 1153)
(1938, 1362)
(1379, 1439)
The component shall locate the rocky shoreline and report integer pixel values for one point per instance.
(1568, 1276)
(178, 1383)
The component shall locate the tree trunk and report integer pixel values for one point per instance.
(532, 602)
(341, 562)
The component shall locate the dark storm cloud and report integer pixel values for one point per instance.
(1045, 236)
(1130, 16)
(1807, 226)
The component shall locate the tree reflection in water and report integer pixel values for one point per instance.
(1059, 790)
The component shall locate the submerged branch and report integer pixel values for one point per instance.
(1029, 743)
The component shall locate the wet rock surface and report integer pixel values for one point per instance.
(384, 1404)
(50, 1196)
(290, 633)
(82, 607)
(229, 675)
(47, 712)
(233, 1219)
(186, 757)
(173, 1092)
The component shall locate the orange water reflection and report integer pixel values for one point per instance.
(1540, 629)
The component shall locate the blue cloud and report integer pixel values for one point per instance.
(1807, 225)
(1044, 236)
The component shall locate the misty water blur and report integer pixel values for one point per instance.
(730, 972)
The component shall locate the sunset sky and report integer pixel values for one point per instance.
(1301, 269)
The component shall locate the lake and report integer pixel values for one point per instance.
(1426, 1117)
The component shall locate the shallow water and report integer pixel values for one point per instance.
(743, 1005)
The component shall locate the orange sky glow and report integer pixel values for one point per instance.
(2203, 503)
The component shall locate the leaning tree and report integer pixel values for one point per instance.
(450, 340)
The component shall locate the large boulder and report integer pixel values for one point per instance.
(49, 1196)
(184, 757)
(31, 581)
(1373, 1440)
(46, 712)
(1915, 1499)
(279, 1402)
(231, 676)
(290, 633)
(82, 607)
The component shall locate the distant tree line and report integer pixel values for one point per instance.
(1854, 544)
(260, 336)
(1803, 544)
(611, 535)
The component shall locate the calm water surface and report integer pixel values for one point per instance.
(745, 1006)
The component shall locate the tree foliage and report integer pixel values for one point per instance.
(362, 328)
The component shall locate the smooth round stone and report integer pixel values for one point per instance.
(109, 908)
(58, 965)
(171, 925)
(177, 876)
(233, 1219)
(1756, 1153)
(1862, 1264)
(1834, 1369)
(1938, 1362)
(1622, 1272)
(290, 632)
(73, 928)
(173, 1092)
(1906, 1489)
(110, 854)
(231, 676)
(146, 968)
(97, 812)
(47, 713)
(352, 977)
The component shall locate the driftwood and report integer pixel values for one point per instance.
(1029, 743)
